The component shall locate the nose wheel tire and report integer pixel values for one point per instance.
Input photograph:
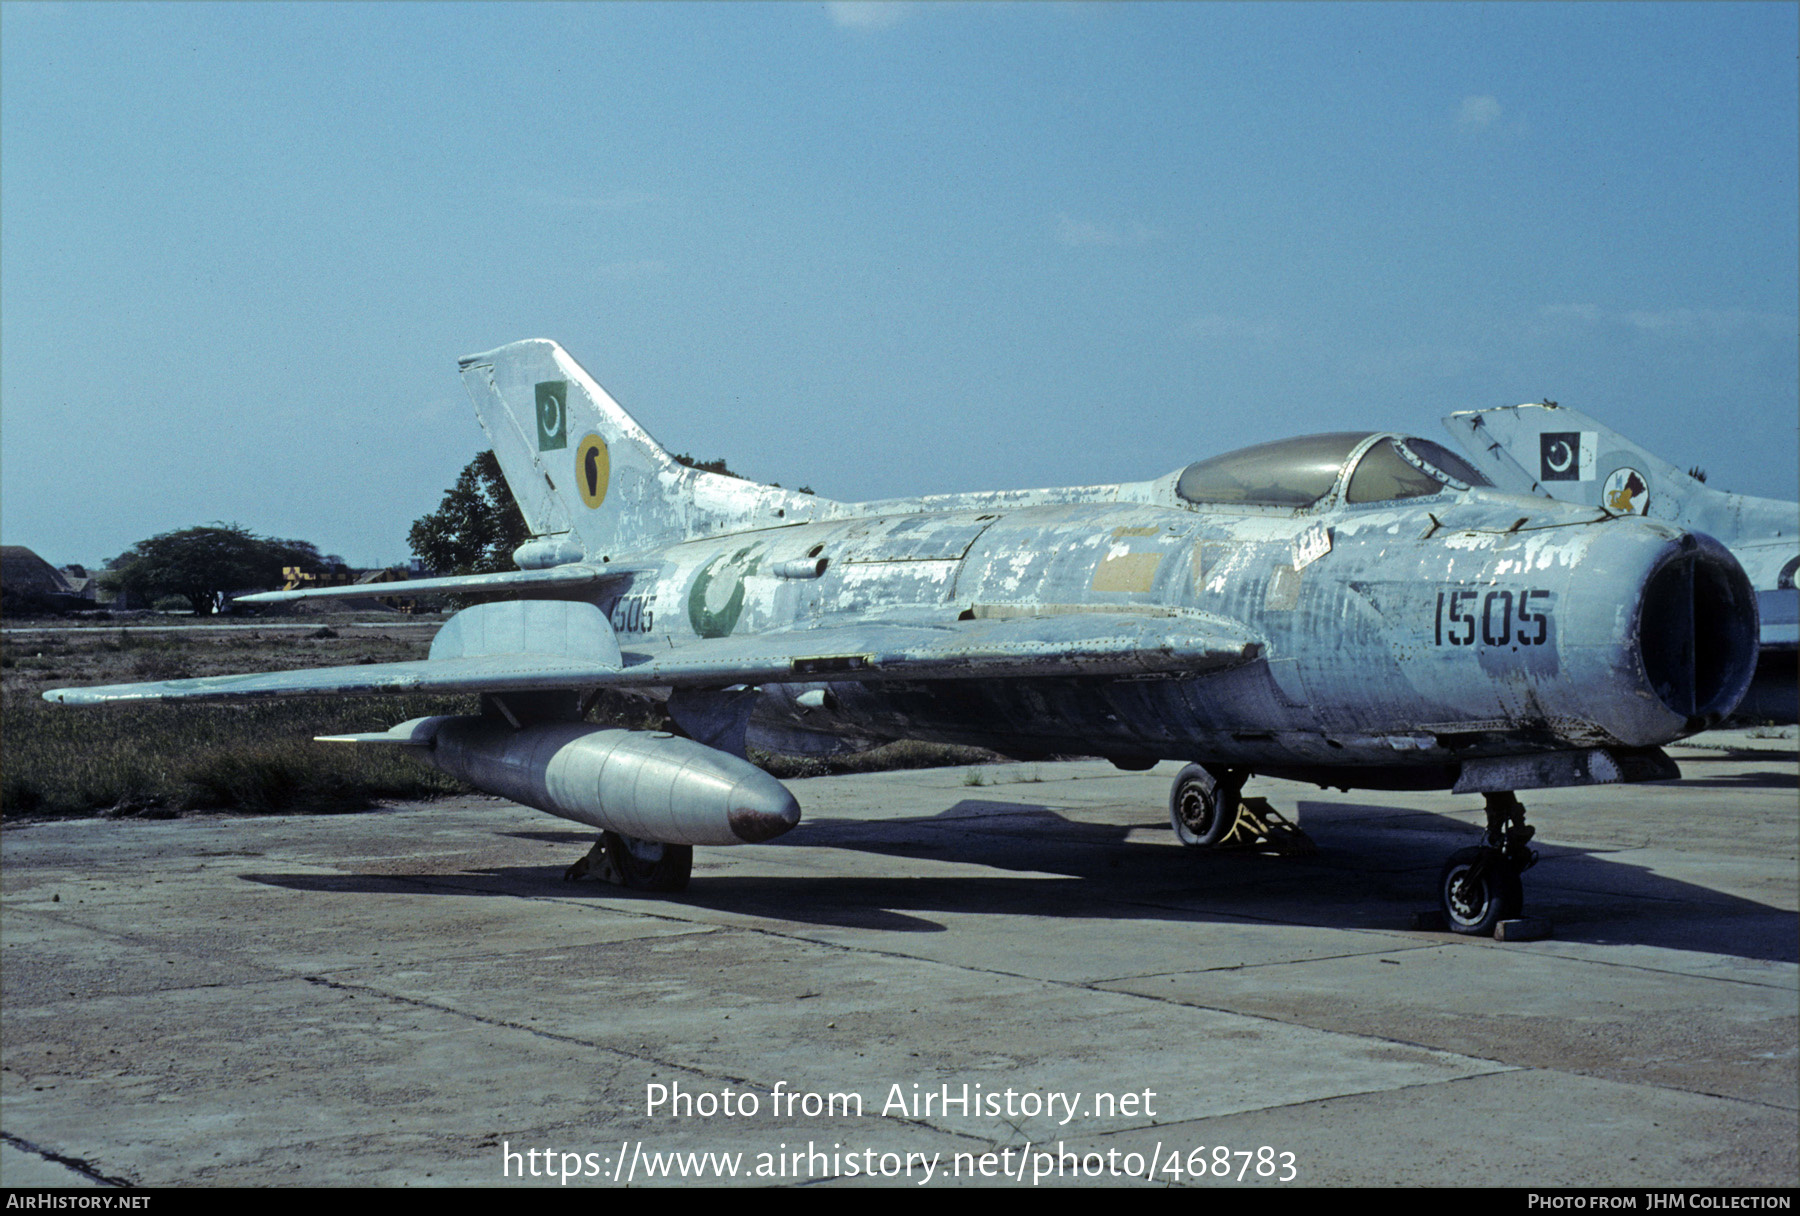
(1478, 889)
(1202, 810)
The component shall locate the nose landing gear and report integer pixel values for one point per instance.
(1479, 887)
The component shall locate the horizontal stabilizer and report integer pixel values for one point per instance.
(1086, 644)
(578, 577)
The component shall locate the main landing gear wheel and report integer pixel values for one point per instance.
(1479, 887)
(648, 865)
(1203, 808)
(641, 865)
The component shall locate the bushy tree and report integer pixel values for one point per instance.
(718, 466)
(198, 563)
(706, 466)
(477, 526)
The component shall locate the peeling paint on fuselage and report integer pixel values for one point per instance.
(1427, 621)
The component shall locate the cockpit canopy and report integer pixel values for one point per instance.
(1297, 473)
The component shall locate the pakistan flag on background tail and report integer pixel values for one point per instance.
(1566, 455)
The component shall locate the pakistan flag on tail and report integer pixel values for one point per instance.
(553, 415)
(586, 474)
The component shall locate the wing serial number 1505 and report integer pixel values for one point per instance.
(634, 613)
(1496, 618)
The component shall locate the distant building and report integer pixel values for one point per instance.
(23, 571)
(81, 583)
(28, 583)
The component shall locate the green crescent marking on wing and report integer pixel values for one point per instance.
(720, 623)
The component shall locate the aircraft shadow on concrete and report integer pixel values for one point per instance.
(583, 839)
(1375, 867)
(1760, 780)
(855, 904)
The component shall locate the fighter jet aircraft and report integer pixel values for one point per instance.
(1354, 609)
(1564, 454)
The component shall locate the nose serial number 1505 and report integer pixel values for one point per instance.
(1496, 618)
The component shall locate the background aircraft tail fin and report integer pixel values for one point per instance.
(1564, 454)
(588, 478)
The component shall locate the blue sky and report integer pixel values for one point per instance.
(878, 250)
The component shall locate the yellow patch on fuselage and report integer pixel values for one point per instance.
(1127, 572)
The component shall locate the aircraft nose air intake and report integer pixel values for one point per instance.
(1655, 633)
(1697, 630)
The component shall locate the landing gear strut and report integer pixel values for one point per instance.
(641, 865)
(1207, 809)
(1480, 887)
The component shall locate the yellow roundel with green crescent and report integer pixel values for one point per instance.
(593, 469)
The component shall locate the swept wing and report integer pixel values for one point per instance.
(535, 645)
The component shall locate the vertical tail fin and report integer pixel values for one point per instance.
(1562, 453)
(582, 469)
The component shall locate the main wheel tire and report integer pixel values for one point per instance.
(647, 865)
(1474, 903)
(1201, 811)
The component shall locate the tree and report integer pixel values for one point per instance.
(706, 466)
(199, 563)
(718, 466)
(477, 526)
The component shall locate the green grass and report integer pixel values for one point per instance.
(152, 759)
(255, 756)
(162, 759)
